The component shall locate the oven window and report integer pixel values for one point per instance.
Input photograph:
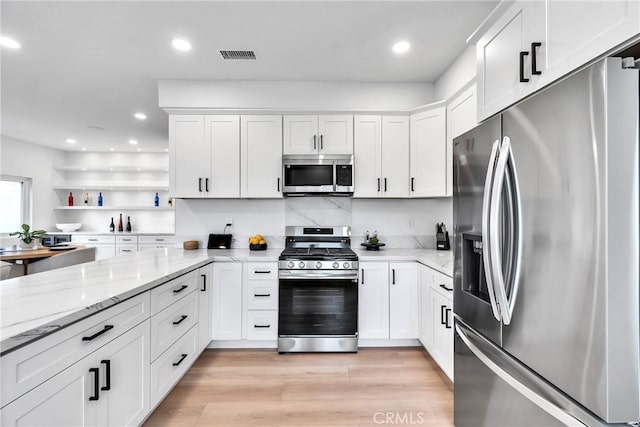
(305, 175)
(322, 302)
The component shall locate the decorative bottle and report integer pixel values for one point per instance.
(156, 201)
(112, 226)
(100, 199)
(70, 199)
(120, 226)
(129, 224)
(86, 198)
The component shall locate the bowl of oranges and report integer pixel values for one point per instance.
(257, 243)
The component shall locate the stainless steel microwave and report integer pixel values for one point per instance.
(317, 174)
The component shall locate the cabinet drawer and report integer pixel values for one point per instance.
(262, 295)
(172, 291)
(93, 239)
(123, 249)
(127, 239)
(443, 283)
(147, 246)
(25, 368)
(172, 364)
(157, 239)
(262, 270)
(262, 325)
(172, 322)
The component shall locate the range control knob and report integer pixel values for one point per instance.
(291, 264)
(318, 264)
(336, 265)
(345, 265)
(301, 264)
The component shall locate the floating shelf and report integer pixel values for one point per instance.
(113, 188)
(75, 168)
(114, 208)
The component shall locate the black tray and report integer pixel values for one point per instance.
(372, 247)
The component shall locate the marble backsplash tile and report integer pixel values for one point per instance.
(317, 211)
(396, 241)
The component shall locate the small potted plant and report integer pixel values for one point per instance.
(28, 236)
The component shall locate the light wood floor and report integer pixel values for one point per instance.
(392, 386)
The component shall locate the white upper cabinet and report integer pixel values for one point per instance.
(462, 116)
(261, 156)
(189, 154)
(573, 33)
(534, 43)
(367, 158)
(222, 135)
(428, 148)
(395, 156)
(503, 67)
(326, 134)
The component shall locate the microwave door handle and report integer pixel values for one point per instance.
(486, 226)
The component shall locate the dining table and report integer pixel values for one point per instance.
(25, 256)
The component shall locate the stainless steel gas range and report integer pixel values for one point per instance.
(318, 295)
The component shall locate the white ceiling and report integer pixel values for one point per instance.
(89, 63)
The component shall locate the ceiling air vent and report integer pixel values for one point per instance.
(230, 55)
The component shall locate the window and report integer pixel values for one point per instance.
(15, 202)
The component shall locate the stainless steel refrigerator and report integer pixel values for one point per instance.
(546, 269)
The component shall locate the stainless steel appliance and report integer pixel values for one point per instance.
(317, 174)
(55, 239)
(546, 275)
(318, 291)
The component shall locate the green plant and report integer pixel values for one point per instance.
(27, 235)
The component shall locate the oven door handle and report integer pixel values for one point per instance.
(351, 277)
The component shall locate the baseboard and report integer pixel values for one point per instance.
(370, 342)
(274, 344)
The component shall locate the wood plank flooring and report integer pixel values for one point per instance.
(390, 386)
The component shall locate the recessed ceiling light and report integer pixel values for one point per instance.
(166, 149)
(111, 149)
(181, 45)
(401, 47)
(71, 141)
(9, 42)
(139, 149)
(140, 116)
(133, 142)
(84, 148)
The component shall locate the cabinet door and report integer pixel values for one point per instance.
(395, 156)
(124, 378)
(204, 308)
(227, 301)
(442, 320)
(300, 135)
(261, 156)
(425, 280)
(462, 116)
(368, 152)
(189, 155)
(403, 300)
(373, 300)
(61, 401)
(222, 134)
(336, 134)
(498, 58)
(573, 33)
(428, 148)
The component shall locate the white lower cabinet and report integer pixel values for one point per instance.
(227, 301)
(204, 306)
(261, 301)
(105, 245)
(373, 300)
(403, 300)
(262, 325)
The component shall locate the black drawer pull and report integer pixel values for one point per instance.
(534, 60)
(159, 240)
(261, 326)
(442, 321)
(200, 185)
(362, 275)
(97, 334)
(183, 356)
(321, 143)
(93, 240)
(262, 271)
(385, 185)
(412, 187)
(393, 276)
(378, 185)
(522, 77)
(204, 283)
(107, 367)
(206, 185)
(184, 316)
(443, 286)
(180, 289)
(96, 386)
(261, 295)
(446, 318)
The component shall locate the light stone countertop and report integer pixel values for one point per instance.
(34, 306)
(108, 233)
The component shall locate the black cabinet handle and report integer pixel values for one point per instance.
(534, 59)
(446, 318)
(412, 181)
(385, 184)
(314, 142)
(522, 78)
(183, 356)
(321, 143)
(261, 326)
(180, 289)
(96, 386)
(204, 283)
(443, 286)
(200, 185)
(393, 276)
(278, 185)
(378, 185)
(107, 367)
(184, 316)
(261, 295)
(97, 334)
(262, 271)
(206, 184)
(442, 307)
(362, 276)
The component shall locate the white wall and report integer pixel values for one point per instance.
(21, 158)
(295, 96)
(458, 74)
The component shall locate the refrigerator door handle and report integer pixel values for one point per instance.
(543, 403)
(486, 230)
